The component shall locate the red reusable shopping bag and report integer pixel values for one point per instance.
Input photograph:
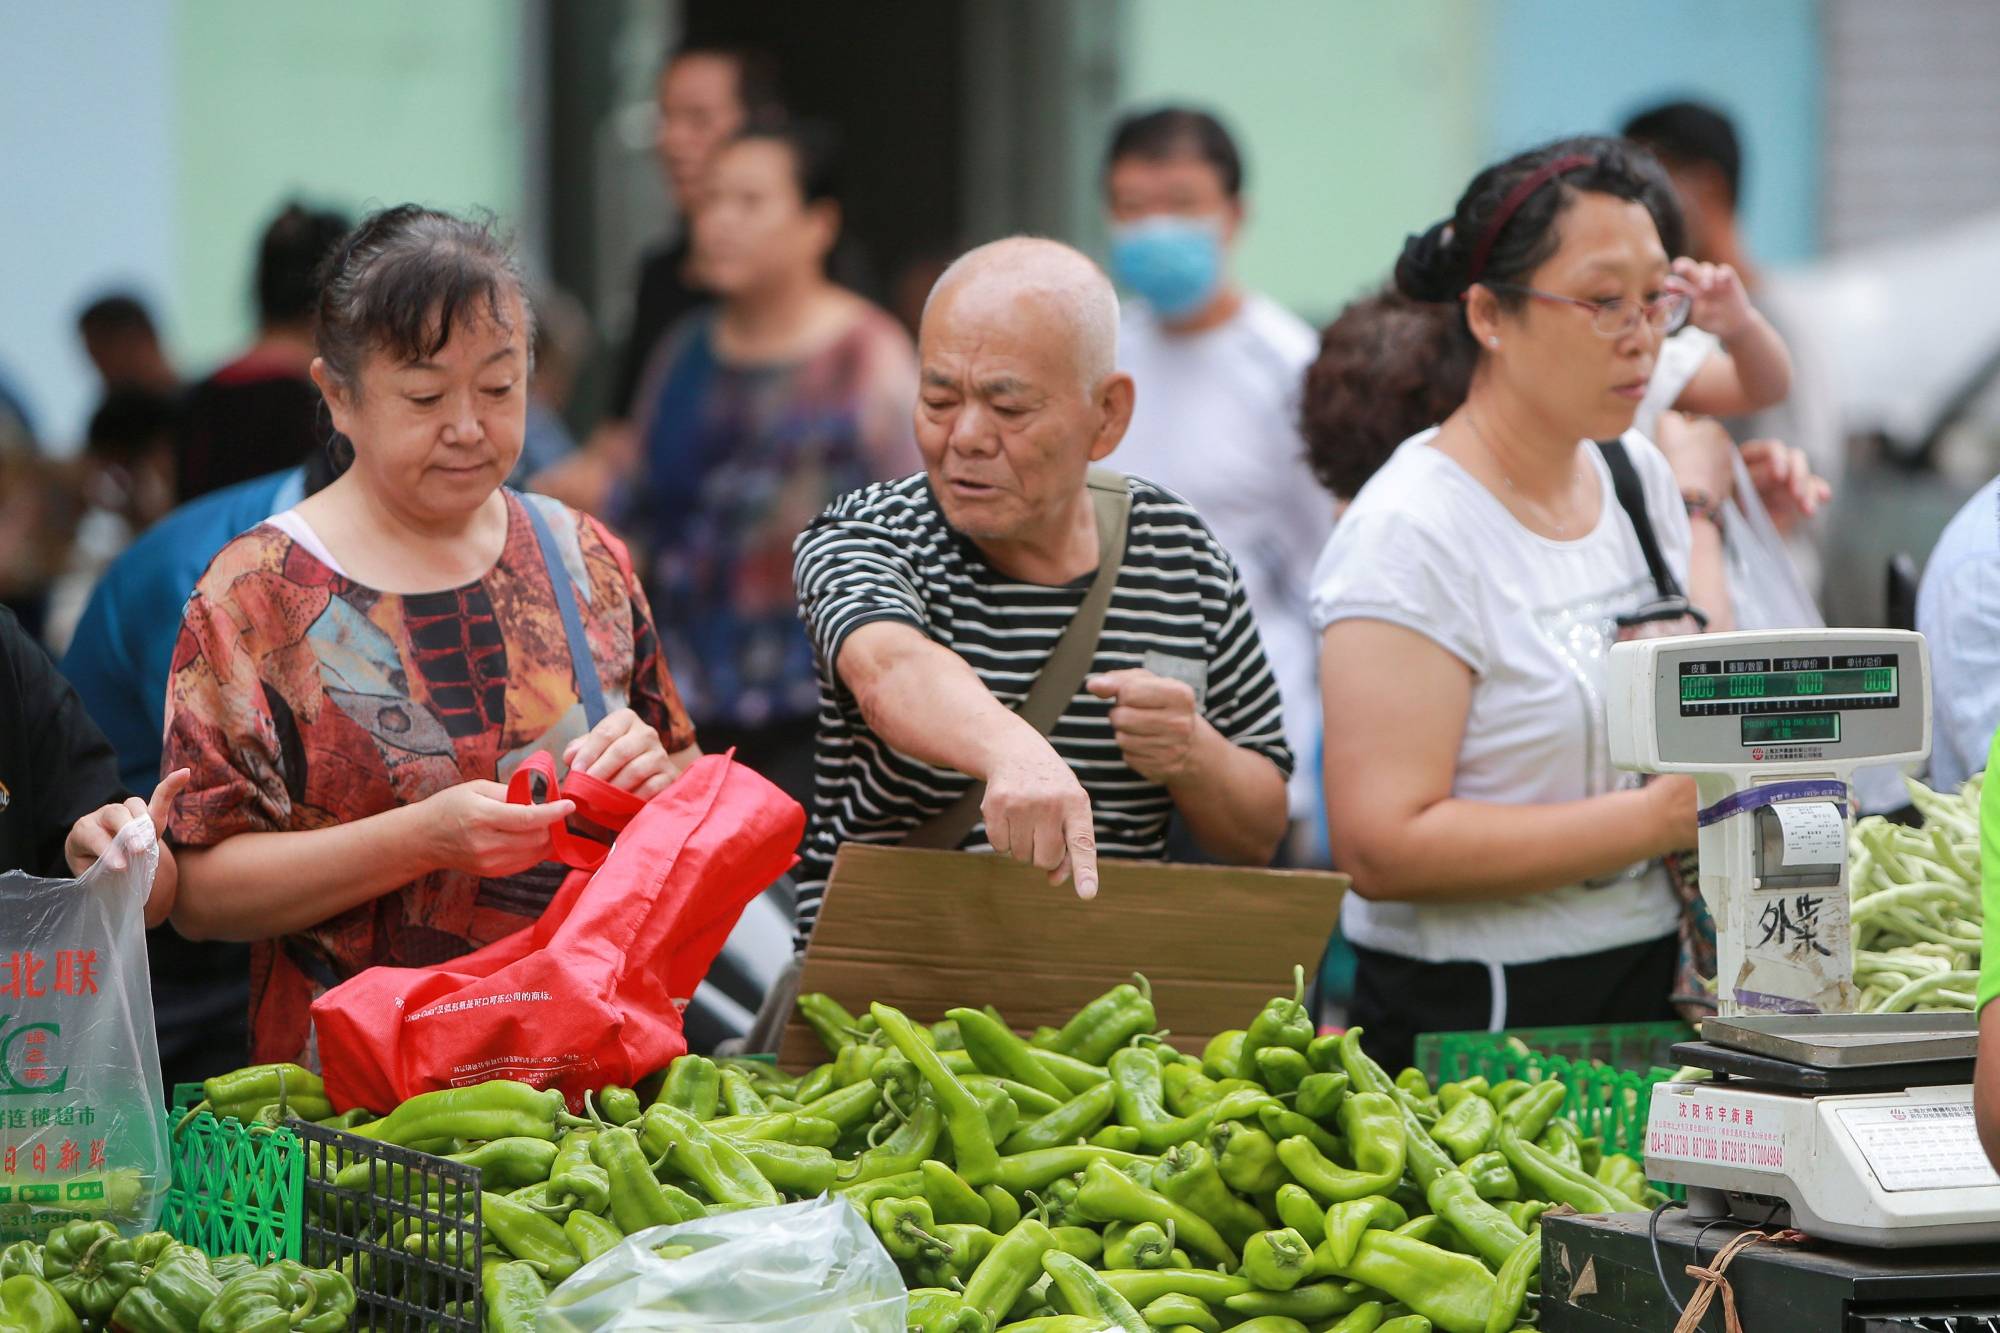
(591, 993)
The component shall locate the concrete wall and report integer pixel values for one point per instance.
(148, 141)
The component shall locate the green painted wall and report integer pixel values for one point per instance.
(1361, 125)
(360, 103)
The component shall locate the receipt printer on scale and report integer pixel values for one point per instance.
(1855, 1129)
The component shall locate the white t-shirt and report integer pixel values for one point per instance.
(1426, 546)
(1216, 422)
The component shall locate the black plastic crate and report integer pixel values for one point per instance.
(363, 1232)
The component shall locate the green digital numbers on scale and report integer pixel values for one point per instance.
(1841, 683)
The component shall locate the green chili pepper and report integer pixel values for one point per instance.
(792, 1168)
(858, 1064)
(1466, 1130)
(1276, 1260)
(1453, 1291)
(1006, 1274)
(1189, 1177)
(1413, 1082)
(1055, 1323)
(1320, 1096)
(1280, 1123)
(1077, 1118)
(1002, 1115)
(1366, 1318)
(1622, 1174)
(1187, 1089)
(1023, 1171)
(1123, 1138)
(514, 1295)
(1374, 1135)
(1030, 1102)
(242, 1093)
(171, 1299)
(693, 1085)
(1316, 1301)
(847, 1107)
(1086, 1293)
(575, 1179)
(1347, 1222)
(1506, 1091)
(1005, 1208)
(1561, 1141)
(1083, 1242)
(1137, 1245)
(951, 1198)
(286, 1297)
(1408, 1323)
(965, 1120)
(1272, 1323)
(906, 1228)
(590, 1235)
(864, 1194)
(1445, 1190)
(1072, 1073)
(1527, 1212)
(1223, 1053)
(30, 1305)
(1247, 1157)
(1452, 1093)
(1297, 1209)
(1204, 1284)
(996, 1050)
(1140, 1097)
(1110, 1196)
(1553, 1180)
(830, 1021)
(1531, 1112)
(1284, 1022)
(498, 1109)
(779, 1127)
(309, 1108)
(1107, 1023)
(1433, 1230)
(814, 1085)
(1491, 1177)
(504, 1164)
(529, 1236)
(1282, 1069)
(936, 1310)
(638, 1199)
(712, 1161)
(1175, 1311)
(1510, 1289)
(905, 1149)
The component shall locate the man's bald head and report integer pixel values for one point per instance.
(1023, 277)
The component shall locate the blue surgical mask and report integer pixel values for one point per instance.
(1173, 263)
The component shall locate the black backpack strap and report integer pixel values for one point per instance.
(1632, 499)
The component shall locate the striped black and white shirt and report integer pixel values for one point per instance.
(885, 552)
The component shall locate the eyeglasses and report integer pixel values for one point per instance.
(1615, 318)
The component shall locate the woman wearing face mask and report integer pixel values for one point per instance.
(1217, 371)
(355, 677)
(753, 416)
(1505, 874)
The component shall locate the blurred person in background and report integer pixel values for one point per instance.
(126, 483)
(119, 662)
(123, 343)
(1504, 873)
(753, 416)
(562, 344)
(60, 798)
(260, 412)
(1702, 152)
(1958, 610)
(355, 677)
(1218, 370)
(707, 95)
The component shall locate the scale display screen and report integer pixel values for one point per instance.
(1791, 728)
(1804, 686)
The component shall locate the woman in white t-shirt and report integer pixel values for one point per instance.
(1505, 874)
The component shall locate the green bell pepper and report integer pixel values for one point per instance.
(30, 1305)
(172, 1299)
(287, 1297)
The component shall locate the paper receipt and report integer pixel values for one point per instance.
(1814, 833)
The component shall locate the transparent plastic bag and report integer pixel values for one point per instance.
(82, 1113)
(812, 1267)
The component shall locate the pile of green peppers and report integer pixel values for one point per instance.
(1083, 1179)
(85, 1275)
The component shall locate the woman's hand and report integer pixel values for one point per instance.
(1785, 482)
(475, 829)
(625, 752)
(1701, 454)
(1721, 305)
(93, 836)
(1674, 810)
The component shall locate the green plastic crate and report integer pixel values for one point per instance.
(1609, 1070)
(234, 1190)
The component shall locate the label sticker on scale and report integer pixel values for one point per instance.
(1931, 1146)
(1815, 833)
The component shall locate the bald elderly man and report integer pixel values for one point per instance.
(935, 603)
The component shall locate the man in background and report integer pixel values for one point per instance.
(1219, 371)
(260, 413)
(123, 343)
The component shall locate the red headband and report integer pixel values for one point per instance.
(1517, 196)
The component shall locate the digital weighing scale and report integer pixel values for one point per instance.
(1851, 1127)
(1856, 1129)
